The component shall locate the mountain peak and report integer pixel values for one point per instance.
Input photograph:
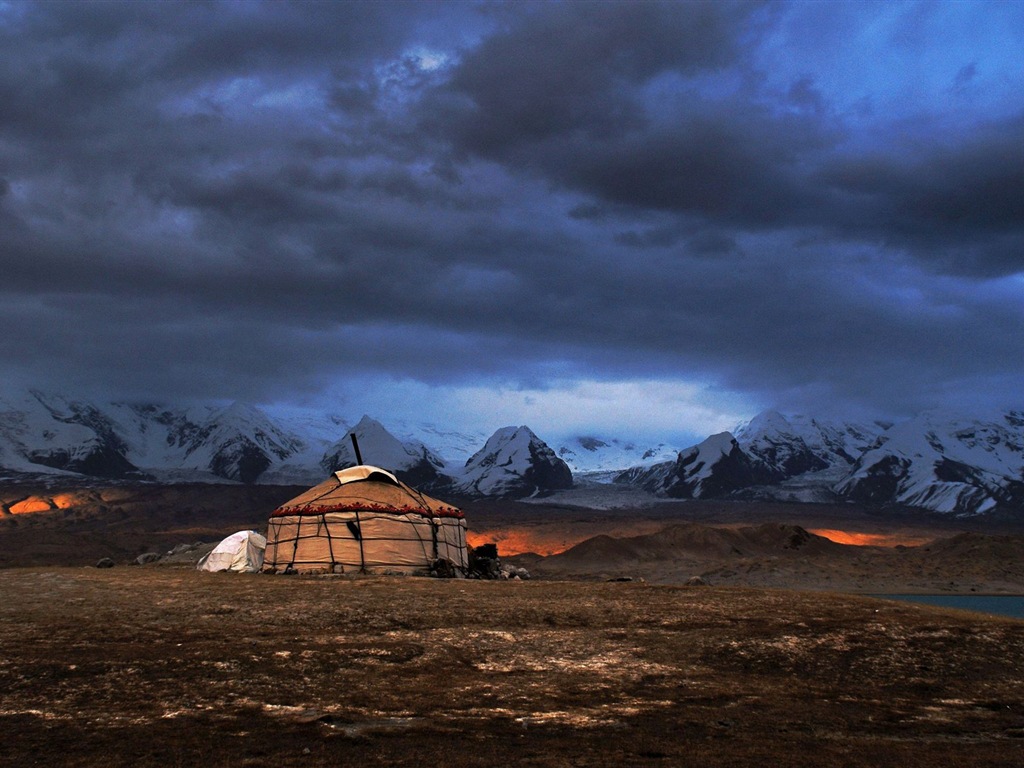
(765, 421)
(411, 461)
(514, 462)
(719, 444)
(368, 424)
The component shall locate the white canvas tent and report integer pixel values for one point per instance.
(242, 551)
(365, 520)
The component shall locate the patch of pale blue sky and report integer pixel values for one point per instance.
(480, 282)
(676, 410)
(237, 97)
(12, 12)
(1010, 288)
(403, 79)
(679, 410)
(902, 58)
(429, 59)
(878, 283)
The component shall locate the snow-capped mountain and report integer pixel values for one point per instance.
(55, 435)
(513, 462)
(944, 463)
(412, 461)
(592, 454)
(238, 442)
(41, 433)
(455, 446)
(797, 444)
(712, 469)
(772, 456)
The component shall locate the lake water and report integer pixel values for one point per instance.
(1001, 605)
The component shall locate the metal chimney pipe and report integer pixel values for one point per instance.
(355, 445)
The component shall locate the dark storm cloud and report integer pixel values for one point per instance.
(959, 206)
(574, 67)
(625, 118)
(258, 200)
(739, 157)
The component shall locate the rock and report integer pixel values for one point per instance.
(443, 569)
(512, 572)
(484, 562)
(697, 581)
(485, 550)
(105, 562)
(148, 557)
(484, 568)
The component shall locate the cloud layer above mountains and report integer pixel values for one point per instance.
(489, 206)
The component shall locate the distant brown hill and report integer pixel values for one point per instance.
(727, 543)
(696, 540)
(78, 524)
(780, 555)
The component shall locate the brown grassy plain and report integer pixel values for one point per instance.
(163, 666)
(166, 666)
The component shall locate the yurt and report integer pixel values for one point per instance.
(365, 520)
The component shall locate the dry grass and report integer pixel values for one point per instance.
(165, 667)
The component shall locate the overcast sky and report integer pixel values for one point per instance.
(639, 218)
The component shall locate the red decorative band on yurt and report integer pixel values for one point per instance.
(364, 507)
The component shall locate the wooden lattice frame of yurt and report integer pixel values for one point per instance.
(365, 520)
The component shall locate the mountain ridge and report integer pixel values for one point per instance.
(58, 436)
(942, 462)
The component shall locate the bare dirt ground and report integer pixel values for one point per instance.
(165, 666)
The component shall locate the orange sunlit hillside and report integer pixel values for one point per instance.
(858, 539)
(554, 538)
(513, 541)
(33, 504)
(543, 540)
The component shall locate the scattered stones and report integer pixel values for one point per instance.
(183, 548)
(443, 569)
(484, 568)
(512, 572)
(189, 554)
(484, 563)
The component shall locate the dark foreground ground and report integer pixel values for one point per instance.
(164, 666)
